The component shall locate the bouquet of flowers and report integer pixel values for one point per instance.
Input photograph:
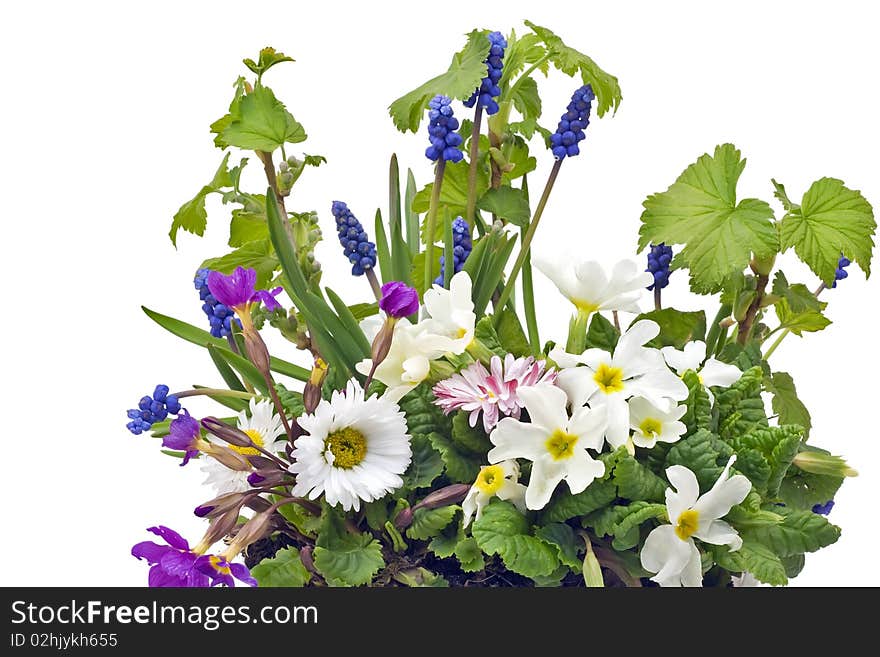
(435, 439)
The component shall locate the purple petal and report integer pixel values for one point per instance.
(158, 578)
(242, 574)
(182, 432)
(152, 552)
(234, 290)
(171, 537)
(268, 298)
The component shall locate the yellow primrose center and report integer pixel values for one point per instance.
(490, 479)
(560, 445)
(610, 379)
(348, 446)
(256, 439)
(651, 427)
(585, 306)
(219, 565)
(688, 523)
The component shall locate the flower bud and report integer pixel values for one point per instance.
(453, 494)
(219, 528)
(257, 351)
(305, 555)
(823, 464)
(399, 300)
(229, 434)
(231, 459)
(382, 342)
(253, 530)
(404, 519)
(312, 390)
(220, 505)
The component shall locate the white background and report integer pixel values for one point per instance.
(105, 119)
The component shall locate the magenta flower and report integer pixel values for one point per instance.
(475, 389)
(237, 290)
(183, 433)
(221, 571)
(173, 564)
(399, 300)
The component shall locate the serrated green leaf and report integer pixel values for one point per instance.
(763, 563)
(562, 537)
(632, 516)
(793, 565)
(786, 404)
(247, 226)
(257, 255)
(192, 215)
(285, 569)
(677, 327)
(601, 334)
(636, 482)
(740, 407)
(798, 295)
(420, 577)
(267, 59)
(704, 454)
(472, 439)
(462, 466)
(799, 532)
(504, 531)
(291, 400)
(808, 321)
(467, 69)
(345, 559)
(262, 123)
(778, 445)
(526, 99)
(570, 61)
(699, 410)
(604, 520)
(563, 505)
(754, 466)
(802, 490)
(507, 203)
(423, 416)
(428, 523)
(426, 464)
(376, 514)
(469, 555)
(700, 210)
(831, 220)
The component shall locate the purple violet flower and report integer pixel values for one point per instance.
(221, 571)
(173, 564)
(399, 300)
(182, 435)
(237, 290)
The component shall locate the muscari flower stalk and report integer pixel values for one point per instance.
(659, 259)
(152, 409)
(489, 90)
(358, 248)
(442, 126)
(841, 271)
(462, 247)
(570, 131)
(221, 318)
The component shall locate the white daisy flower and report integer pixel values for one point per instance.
(451, 314)
(609, 381)
(670, 550)
(712, 372)
(355, 449)
(651, 425)
(500, 480)
(555, 443)
(265, 429)
(589, 289)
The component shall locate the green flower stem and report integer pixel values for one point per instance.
(529, 305)
(577, 332)
(782, 335)
(527, 238)
(432, 223)
(219, 392)
(531, 69)
(374, 283)
(479, 351)
(474, 154)
(715, 327)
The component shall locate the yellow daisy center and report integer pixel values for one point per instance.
(651, 427)
(688, 523)
(256, 438)
(490, 479)
(348, 446)
(560, 445)
(610, 379)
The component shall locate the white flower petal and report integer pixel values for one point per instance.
(686, 492)
(579, 384)
(545, 477)
(716, 373)
(666, 555)
(632, 342)
(514, 439)
(589, 425)
(718, 532)
(617, 431)
(726, 493)
(692, 574)
(546, 405)
(582, 470)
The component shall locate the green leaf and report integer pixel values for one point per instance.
(831, 220)
(799, 532)
(511, 336)
(229, 376)
(793, 565)
(262, 123)
(426, 464)
(563, 505)
(798, 295)
(504, 531)
(291, 400)
(345, 559)
(376, 513)
(428, 523)
(802, 490)
(799, 322)
(363, 310)
(602, 334)
(740, 407)
(526, 99)
(469, 555)
(763, 563)
(636, 482)
(423, 416)
(453, 196)
(700, 210)
(782, 196)
(507, 203)
(704, 454)
(420, 577)
(192, 215)
(259, 256)
(247, 226)
(267, 59)
(778, 445)
(472, 439)
(699, 410)
(562, 537)
(467, 69)
(677, 327)
(284, 570)
(570, 61)
(462, 466)
(754, 465)
(786, 404)
(626, 530)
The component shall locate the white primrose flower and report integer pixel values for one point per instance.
(555, 443)
(608, 381)
(589, 289)
(500, 480)
(651, 425)
(355, 449)
(712, 372)
(669, 550)
(265, 430)
(452, 321)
